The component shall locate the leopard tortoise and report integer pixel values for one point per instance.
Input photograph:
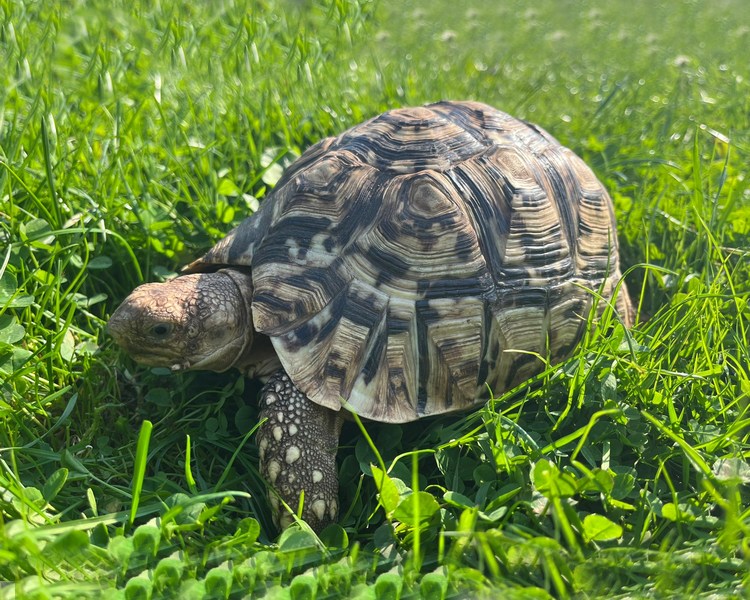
(397, 270)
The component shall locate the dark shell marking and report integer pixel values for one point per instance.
(424, 253)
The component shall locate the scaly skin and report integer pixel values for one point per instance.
(297, 445)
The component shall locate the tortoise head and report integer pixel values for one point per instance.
(196, 321)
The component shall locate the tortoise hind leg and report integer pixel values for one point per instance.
(297, 446)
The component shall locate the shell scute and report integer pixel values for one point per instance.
(412, 246)
(411, 140)
(454, 329)
(286, 294)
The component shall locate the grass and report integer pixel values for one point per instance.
(134, 135)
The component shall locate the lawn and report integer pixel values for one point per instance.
(134, 135)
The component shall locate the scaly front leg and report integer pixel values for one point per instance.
(297, 446)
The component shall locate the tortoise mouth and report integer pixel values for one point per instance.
(219, 359)
(151, 357)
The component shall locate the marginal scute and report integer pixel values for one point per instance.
(238, 247)
(454, 329)
(519, 322)
(422, 256)
(568, 312)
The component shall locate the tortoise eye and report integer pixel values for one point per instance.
(161, 330)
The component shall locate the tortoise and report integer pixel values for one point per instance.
(399, 270)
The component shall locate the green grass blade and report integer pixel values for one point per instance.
(139, 470)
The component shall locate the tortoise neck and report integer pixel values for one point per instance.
(258, 359)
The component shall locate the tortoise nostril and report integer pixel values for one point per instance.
(114, 325)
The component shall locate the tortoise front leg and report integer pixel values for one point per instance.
(297, 446)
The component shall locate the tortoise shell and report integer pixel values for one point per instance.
(423, 256)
